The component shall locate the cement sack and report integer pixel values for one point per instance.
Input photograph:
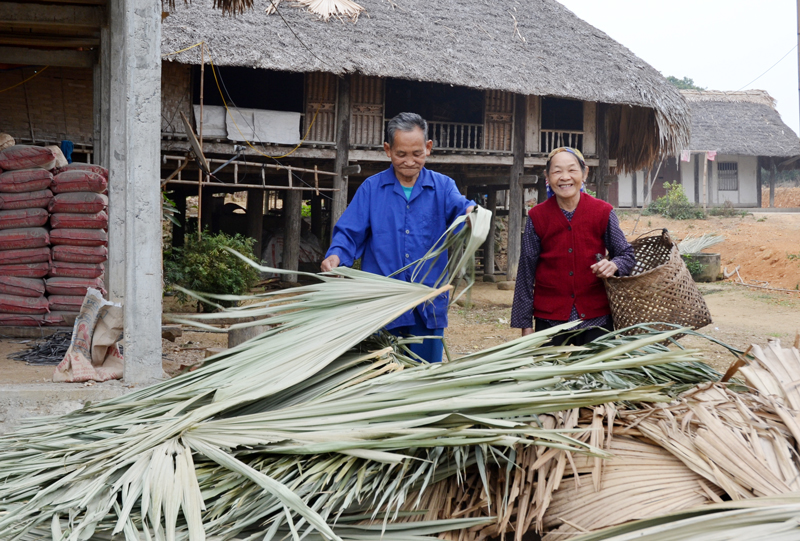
(102, 171)
(6, 141)
(65, 220)
(73, 286)
(24, 256)
(76, 270)
(60, 319)
(80, 254)
(94, 352)
(26, 200)
(22, 320)
(25, 237)
(12, 219)
(21, 287)
(26, 157)
(79, 203)
(79, 181)
(25, 180)
(61, 161)
(26, 270)
(14, 304)
(65, 303)
(79, 237)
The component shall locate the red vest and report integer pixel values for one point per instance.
(563, 277)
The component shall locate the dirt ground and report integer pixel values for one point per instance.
(764, 245)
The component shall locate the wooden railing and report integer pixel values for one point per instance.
(551, 139)
(456, 135)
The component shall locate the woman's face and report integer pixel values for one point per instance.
(565, 175)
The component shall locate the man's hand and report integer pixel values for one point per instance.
(469, 209)
(604, 268)
(329, 263)
(526, 332)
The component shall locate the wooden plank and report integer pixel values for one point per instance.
(532, 142)
(342, 148)
(86, 15)
(589, 128)
(48, 41)
(488, 245)
(39, 57)
(292, 210)
(255, 218)
(601, 173)
(53, 30)
(515, 192)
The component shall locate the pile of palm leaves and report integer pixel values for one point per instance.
(323, 427)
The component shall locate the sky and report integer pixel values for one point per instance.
(721, 44)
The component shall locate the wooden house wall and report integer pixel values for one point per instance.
(498, 120)
(176, 96)
(321, 101)
(589, 128)
(533, 124)
(53, 106)
(366, 124)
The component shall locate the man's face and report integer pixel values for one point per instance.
(408, 153)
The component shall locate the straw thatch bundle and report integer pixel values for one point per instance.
(483, 45)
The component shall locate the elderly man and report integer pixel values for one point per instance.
(394, 218)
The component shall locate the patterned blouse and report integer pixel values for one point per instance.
(620, 252)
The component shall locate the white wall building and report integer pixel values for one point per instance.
(743, 129)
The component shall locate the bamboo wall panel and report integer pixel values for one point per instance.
(321, 100)
(366, 124)
(176, 96)
(499, 120)
(53, 106)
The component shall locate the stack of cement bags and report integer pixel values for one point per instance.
(24, 242)
(78, 234)
(61, 261)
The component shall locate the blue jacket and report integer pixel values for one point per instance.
(388, 232)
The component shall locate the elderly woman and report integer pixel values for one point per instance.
(563, 258)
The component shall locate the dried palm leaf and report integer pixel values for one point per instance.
(693, 245)
(324, 8)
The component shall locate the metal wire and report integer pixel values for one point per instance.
(45, 351)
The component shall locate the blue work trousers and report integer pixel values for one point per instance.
(431, 348)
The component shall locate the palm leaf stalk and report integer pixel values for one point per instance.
(774, 519)
(296, 430)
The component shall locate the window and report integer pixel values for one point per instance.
(728, 173)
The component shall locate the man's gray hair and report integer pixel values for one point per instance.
(405, 122)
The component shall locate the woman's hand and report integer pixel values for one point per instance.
(330, 263)
(526, 332)
(604, 268)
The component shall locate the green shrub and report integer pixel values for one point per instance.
(675, 204)
(205, 266)
(694, 266)
(727, 210)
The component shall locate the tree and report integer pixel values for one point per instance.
(684, 84)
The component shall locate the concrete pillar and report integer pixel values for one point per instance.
(516, 205)
(134, 274)
(342, 148)
(103, 97)
(292, 215)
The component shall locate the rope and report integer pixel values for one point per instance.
(184, 50)
(225, 103)
(25, 81)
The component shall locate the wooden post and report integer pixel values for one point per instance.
(292, 214)
(696, 180)
(516, 205)
(602, 151)
(316, 216)
(705, 180)
(772, 171)
(541, 189)
(200, 205)
(645, 186)
(179, 231)
(488, 245)
(634, 190)
(342, 148)
(758, 180)
(255, 218)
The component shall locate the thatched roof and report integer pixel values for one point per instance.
(739, 123)
(531, 47)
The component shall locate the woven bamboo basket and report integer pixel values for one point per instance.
(659, 289)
